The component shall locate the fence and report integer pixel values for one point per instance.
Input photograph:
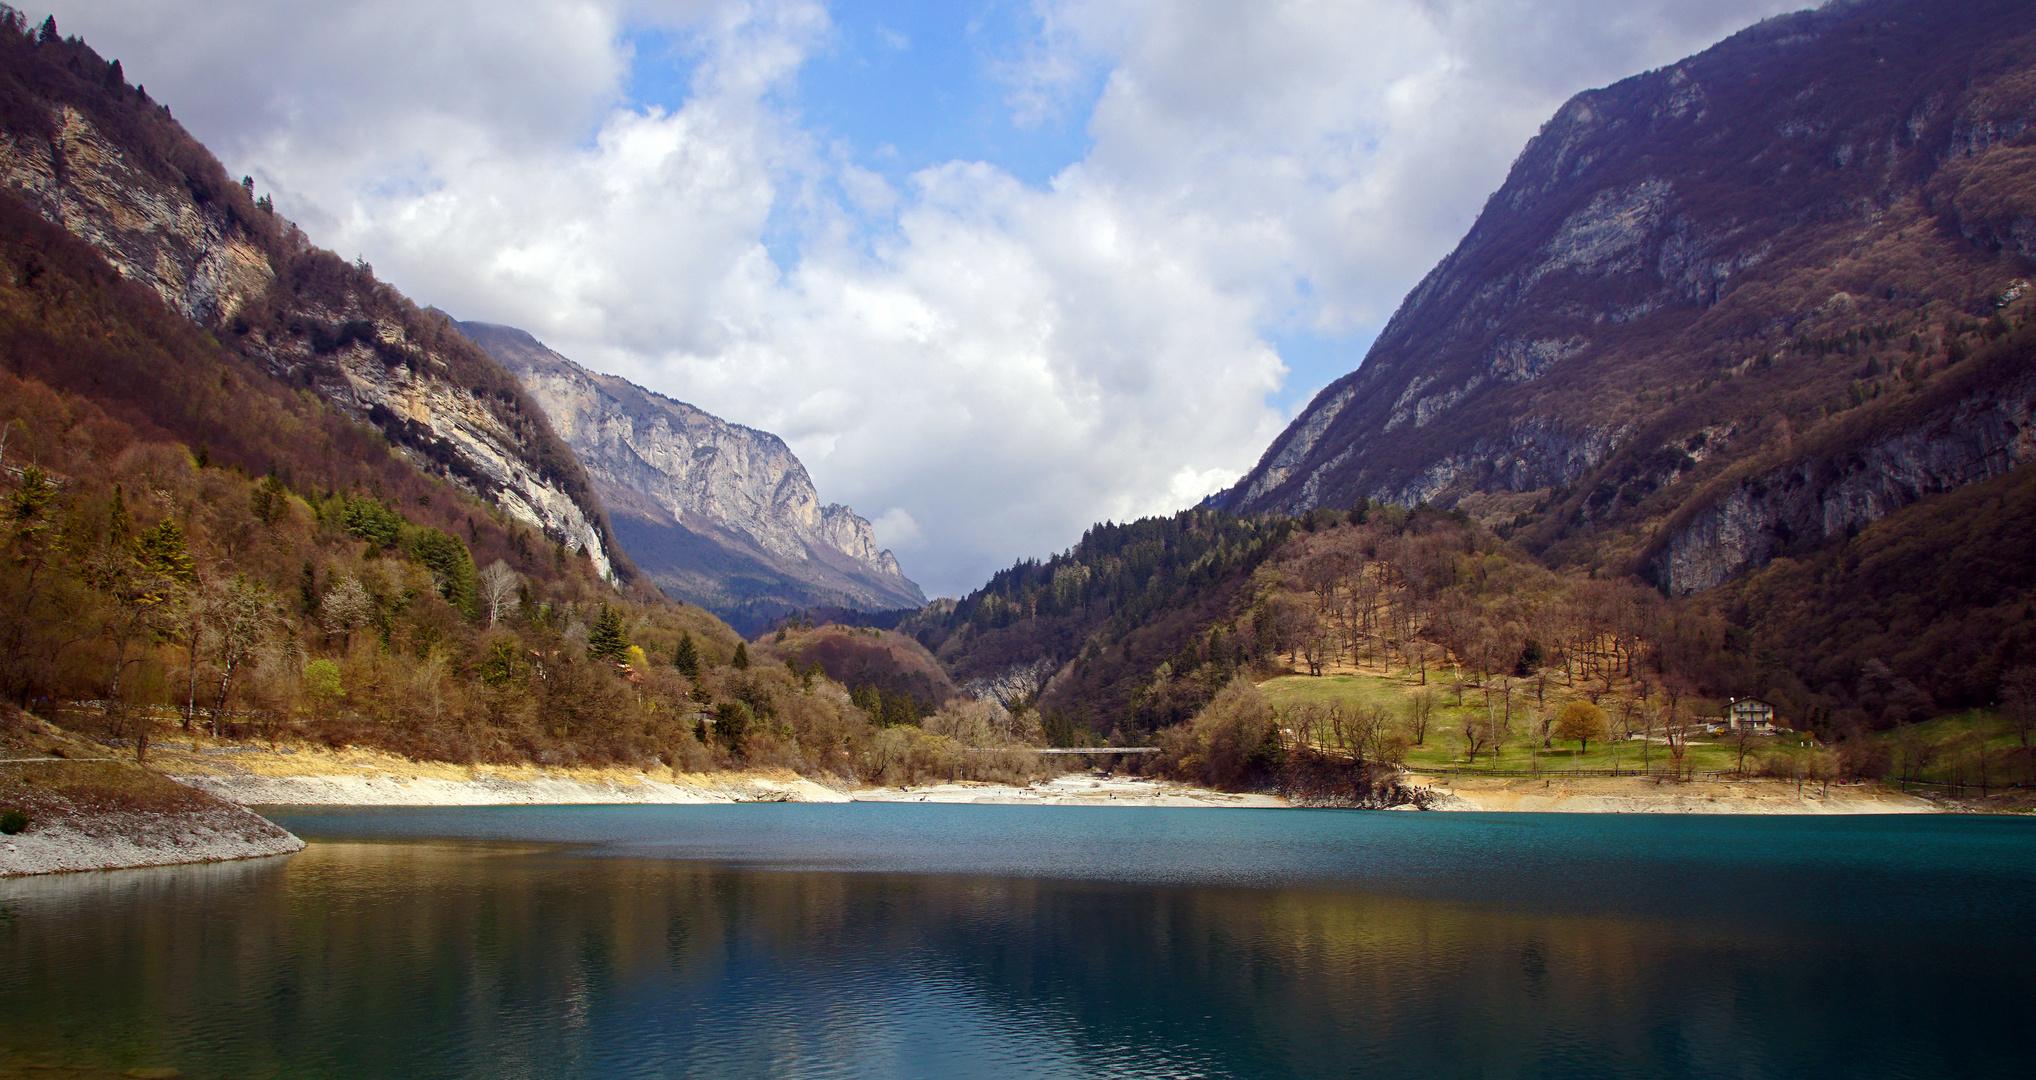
(1658, 773)
(1063, 750)
(161, 712)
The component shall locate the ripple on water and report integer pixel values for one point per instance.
(904, 941)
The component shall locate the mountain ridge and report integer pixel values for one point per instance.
(1693, 274)
(96, 157)
(715, 513)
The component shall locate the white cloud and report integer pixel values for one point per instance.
(895, 529)
(995, 365)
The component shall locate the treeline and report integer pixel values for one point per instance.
(890, 675)
(1121, 582)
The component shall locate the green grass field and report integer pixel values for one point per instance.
(1444, 745)
(1947, 750)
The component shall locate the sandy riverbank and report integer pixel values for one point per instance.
(1644, 795)
(261, 777)
(355, 777)
(255, 776)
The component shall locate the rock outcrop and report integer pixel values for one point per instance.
(93, 155)
(1813, 500)
(715, 513)
(1710, 313)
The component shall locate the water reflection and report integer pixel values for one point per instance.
(427, 959)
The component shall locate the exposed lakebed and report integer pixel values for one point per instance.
(886, 940)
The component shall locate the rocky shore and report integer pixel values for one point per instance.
(67, 804)
(114, 840)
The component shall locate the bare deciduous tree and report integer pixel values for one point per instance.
(243, 619)
(1420, 711)
(498, 585)
(346, 608)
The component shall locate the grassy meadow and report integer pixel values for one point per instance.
(1443, 745)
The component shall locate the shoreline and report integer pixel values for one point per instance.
(211, 821)
(85, 807)
(1649, 795)
(257, 776)
(253, 776)
(132, 839)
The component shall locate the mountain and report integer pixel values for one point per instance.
(1736, 370)
(96, 157)
(1722, 312)
(715, 513)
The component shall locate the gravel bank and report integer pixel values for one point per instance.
(118, 839)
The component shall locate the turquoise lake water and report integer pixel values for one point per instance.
(900, 940)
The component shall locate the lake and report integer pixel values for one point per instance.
(902, 940)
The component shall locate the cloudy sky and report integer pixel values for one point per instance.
(996, 269)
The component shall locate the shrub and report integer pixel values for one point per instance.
(321, 678)
(12, 821)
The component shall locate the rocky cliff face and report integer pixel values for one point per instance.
(95, 156)
(1693, 278)
(715, 513)
(1813, 500)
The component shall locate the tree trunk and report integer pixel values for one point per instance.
(225, 683)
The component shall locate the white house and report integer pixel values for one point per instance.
(1752, 714)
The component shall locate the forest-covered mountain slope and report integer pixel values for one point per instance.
(1720, 312)
(187, 541)
(247, 488)
(714, 513)
(94, 155)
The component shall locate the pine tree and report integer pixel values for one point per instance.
(307, 590)
(118, 524)
(687, 656)
(731, 725)
(607, 641)
(741, 661)
(161, 552)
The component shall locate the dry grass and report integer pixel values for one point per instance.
(84, 785)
